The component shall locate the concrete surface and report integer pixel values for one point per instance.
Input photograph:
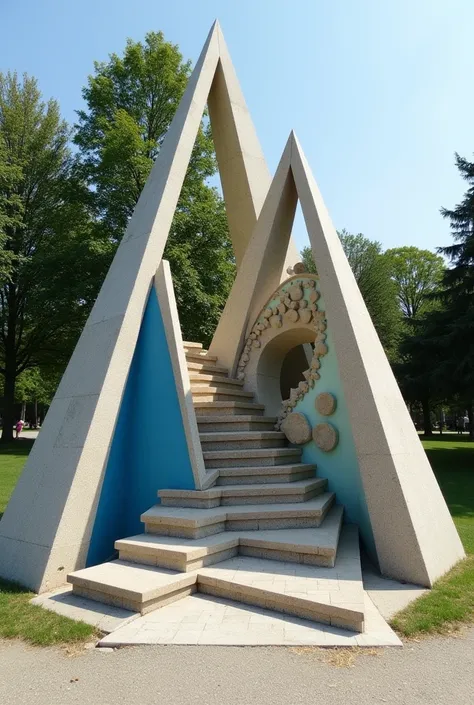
(432, 672)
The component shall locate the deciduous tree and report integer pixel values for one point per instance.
(130, 102)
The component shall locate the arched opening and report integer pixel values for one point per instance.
(281, 364)
(294, 364)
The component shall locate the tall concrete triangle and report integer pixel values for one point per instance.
(47, 527)
(410, 526)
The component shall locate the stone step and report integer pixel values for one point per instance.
(228, 495)
(217, 424)
(242, 439)
(214, 393)
(199, 356)
(252, 457)
(299, 590)
(227, 408)
(305, 591)
(179, 554)
(196, 523)
(133, 587)
(206, 367)
(317, 546)
(264, 474)
(207, 381)
(192, 346)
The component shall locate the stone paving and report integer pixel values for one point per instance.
(200, 620)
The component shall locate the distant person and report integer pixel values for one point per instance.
(19, 428)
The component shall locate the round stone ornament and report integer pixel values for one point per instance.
(326, 403)
(296, 428)
(325, 436)
(299, 268)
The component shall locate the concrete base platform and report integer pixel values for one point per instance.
(106, 618)
(202, 620)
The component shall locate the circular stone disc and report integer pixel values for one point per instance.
(299, 268)
(325, 436)
(296, 428)
(326, 403)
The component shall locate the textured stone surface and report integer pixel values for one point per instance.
(326, 403)
(296, 428)
(325, 436)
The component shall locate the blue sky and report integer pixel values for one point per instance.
(379, 92)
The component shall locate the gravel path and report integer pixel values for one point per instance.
(430, 672)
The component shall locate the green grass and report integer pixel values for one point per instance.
(19, 618)
(12, 458)
(451, 601)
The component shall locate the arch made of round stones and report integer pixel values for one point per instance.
(291, 317)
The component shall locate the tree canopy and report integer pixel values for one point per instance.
(417, 274)
(49, 252)
(130, 102)
(373, 275)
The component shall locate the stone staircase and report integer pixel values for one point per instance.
(266, 533)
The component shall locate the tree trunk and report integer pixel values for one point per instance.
(8, 404)
(10, 370)
(427, 428)
(470, 413)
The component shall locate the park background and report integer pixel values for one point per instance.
(378, 94)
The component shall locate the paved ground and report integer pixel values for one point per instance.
(432, 672)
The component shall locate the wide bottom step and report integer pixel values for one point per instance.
(330, 596)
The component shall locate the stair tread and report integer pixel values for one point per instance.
(242, 418)
(131, 580)
(197, 366)
(225, 404)
(323, 540)
(251, 453)
(290, 468)
(191, 516)
(188, 344)
(240, 435)
(189, 548)
(196, 391)
(200, 355)
(196, 377)
(236, 490)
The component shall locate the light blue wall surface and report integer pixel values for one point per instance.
(340, 466)
(149, 450)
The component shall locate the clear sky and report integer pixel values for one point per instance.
(379, 92)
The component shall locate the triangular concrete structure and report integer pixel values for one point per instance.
(414, 535)
(47, 527)
(140, 411)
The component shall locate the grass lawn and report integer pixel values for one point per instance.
(18, 618)
(450, 602)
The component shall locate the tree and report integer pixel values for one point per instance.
(417, 275)
(50, 247)
(373, 275)
(455, 328)
(131, 100)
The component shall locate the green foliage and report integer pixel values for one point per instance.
(372, 271)
(417, 275)
(131, 100)
(460, 277)
(48, 237)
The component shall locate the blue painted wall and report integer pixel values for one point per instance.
(340, 466)
(149, 450)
